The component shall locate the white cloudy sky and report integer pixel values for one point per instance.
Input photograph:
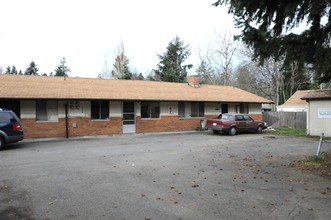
(86, 32)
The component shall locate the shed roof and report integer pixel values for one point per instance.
(295, 100)
(45, 87)
(318, 94)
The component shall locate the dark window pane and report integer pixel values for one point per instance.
(194, 109)
(181, 109)
(95, 110)
(41, 110)
(150, 109)
(104, 109)
(128, 122)
(155, 110)
(128, 116)
(201, 109)
(243, 108)
(145, 110)
(225, 108)
(128, 107)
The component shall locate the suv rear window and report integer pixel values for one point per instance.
(6, 117)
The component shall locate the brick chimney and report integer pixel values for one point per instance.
(194, 81)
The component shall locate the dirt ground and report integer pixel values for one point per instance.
(324, 170)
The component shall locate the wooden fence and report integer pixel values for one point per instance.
(286, 119)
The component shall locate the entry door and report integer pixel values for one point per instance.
(129, 118)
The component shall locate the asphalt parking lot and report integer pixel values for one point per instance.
(195, 175)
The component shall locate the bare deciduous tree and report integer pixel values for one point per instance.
(216, 61)
(105, 72)
(225, 51)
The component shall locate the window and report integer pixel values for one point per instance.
(239, 118)
(7, 117)
(197, 109)
(225, 108)
(99, 110)
(247, 118)
(150, 109)
(46, 110)
(243, 108)
(181, 109)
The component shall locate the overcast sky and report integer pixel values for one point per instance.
(86, 32)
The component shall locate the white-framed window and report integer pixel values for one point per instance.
(181, 109)
(197, 109)
(150, 109)
(46, 110)
(99, 110)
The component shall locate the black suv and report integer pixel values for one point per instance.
(10, 128)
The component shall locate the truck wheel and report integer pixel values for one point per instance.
(233, 131)
(215, 131)
(2, 143)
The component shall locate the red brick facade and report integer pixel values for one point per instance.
(88, 127)
(257, 117)
(85, 127)
(33, 129)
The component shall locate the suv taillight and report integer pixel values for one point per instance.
(17, 127)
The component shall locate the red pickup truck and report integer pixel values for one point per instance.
(234, 123)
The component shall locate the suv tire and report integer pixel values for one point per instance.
(2, 143)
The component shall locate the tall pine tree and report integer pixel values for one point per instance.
(268, 27)
(62, 69)
(171, 67)
(32, 69)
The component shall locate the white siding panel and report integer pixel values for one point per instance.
(318, 125)
(28, 109)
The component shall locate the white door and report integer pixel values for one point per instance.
(129, 117)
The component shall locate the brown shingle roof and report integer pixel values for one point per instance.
(45, 87)
(318, 94)
(295, 99)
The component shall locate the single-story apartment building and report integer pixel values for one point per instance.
(66, 107)
(318, 112)
(295, 103)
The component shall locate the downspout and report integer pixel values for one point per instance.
(67, 120)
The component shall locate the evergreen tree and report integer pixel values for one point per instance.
(121, 68)
(62, 69)
(8, 70)
(205, 72)
(171, 67)
(32, 69)
(267, 26)
(13, 70)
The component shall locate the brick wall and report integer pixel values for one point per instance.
(257, 117)
(168, 123)
(33, 129)
(85, 127)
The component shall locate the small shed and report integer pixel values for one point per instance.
(295, 103)
(318, 112)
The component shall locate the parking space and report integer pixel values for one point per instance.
(196, 175)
